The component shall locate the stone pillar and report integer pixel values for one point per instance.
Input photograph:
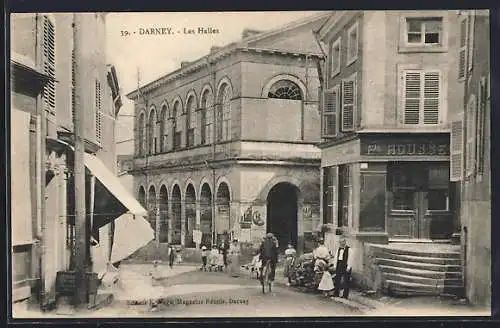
(169, 221)
(157, 227)
(183, 222)
(198, 219)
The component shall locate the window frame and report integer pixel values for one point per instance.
(351, 58)
(443, 90)
(337, 42)
(442, 46)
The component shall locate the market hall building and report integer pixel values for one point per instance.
(225, 145)
(390, 79)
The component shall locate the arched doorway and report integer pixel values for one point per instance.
(152, 207)
(163, 234)
(223, 210)
(190, 203)
(176, 215)
(142, 196)
(206, 215)
(282, 208)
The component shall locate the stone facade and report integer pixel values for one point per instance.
(262, 140)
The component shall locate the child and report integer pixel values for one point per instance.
(179, 257)
(204, 255)
(256, 264)
(214, 253)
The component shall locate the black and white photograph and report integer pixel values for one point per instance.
(250, 164)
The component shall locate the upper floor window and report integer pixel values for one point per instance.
(424, 31)
(176, 127)
(335, 58)
(163, 128)
(331, 104)
(206, 117)
(140, 132)
(151, 140)
(49, 63)
(352, 44)
(422, 97)
(285, 89)
(190, 121)
(224, 113)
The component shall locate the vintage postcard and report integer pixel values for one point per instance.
(250, 164)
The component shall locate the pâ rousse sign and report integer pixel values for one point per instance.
(405, 147)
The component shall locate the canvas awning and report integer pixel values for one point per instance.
(111, 199)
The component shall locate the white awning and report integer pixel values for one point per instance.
(113, 185)
(131, 233)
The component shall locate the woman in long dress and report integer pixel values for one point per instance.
(234, 258)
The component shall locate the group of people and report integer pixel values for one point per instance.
(222, 257)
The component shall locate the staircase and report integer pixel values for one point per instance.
(419, 270)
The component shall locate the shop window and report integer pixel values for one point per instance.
(403, 188)
(329, 194)
(402, 200)
(437, 193)
(345, 191)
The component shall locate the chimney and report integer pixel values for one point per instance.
(249, 32)
(214, 49)
(185, 63)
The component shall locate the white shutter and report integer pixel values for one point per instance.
(348, 104)
(49, 63)
(456, 146)
(412, 92)
(470, 45)
(98, 111)
(463, 48)
(431, 99)
(330, 110)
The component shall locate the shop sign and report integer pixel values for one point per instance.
(406, 148)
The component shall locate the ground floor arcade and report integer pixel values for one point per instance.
(243, 201)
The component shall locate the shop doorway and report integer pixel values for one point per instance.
(418, 201)
(282, 208)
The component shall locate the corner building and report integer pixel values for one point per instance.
(390, 79)
(226, 143)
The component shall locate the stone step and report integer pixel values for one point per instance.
(429, 252)
(421, 272)
(418, 265)
(421, 280)
(414, 289)
(420, 259)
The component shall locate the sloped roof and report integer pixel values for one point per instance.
(269, 40)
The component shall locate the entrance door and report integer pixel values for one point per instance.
(418, 201)
(282, 214)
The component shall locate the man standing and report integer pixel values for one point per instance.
(343, 269)
(269, 252)
(224, 247)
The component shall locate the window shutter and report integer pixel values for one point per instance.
(431, 97)
(330, 109)
(470, 45)
(456, 145)
(411, 97)
(98, 112)
(348, 104)
(49, 63)
(463, 48)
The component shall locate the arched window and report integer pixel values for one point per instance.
(206, 117)
(142, 196)
(285, 89)
(140, 133)
(152, 132)
(224, 113)
(164, 129)
(176, 127)
(190, 121)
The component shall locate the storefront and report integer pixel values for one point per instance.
(389, 187)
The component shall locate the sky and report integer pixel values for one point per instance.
(157, 55)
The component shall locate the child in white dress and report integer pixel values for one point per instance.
(256, 264)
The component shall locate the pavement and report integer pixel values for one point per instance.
(147, 290)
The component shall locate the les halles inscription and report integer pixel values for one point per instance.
(406, 148)
(169, 30)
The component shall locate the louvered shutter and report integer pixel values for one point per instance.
(73, 83)
(456, 145)
(411, 98)
(330, 109)
(463, 48)
(348, 104)
(471, 41)
(98, 111)
(49, 63)
(431, 97)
